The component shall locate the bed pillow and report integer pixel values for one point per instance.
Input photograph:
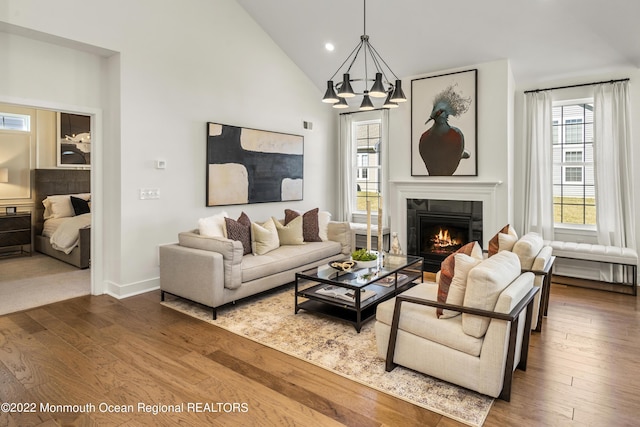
(59, 206)
(240, 230)
(310, 225)
(80, 206)
(213, 226)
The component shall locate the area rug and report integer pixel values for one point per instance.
(336, 346)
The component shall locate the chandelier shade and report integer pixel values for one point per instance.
(375, 85)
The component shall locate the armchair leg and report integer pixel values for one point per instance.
(393, 336)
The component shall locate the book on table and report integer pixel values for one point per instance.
(345, 293)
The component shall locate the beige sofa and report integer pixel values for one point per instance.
(478, 349)
(213, 270)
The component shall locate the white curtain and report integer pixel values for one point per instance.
(613, 163)
(346, 164)
(538, 200)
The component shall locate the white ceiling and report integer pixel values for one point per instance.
(543, 39)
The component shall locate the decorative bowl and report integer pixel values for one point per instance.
(367, 264)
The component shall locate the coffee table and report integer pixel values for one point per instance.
(354, 295)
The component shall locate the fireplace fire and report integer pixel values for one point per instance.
(438, 228)
(443, 243)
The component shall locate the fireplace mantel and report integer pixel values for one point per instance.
(443, 189)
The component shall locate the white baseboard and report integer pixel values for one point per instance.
(131, 289)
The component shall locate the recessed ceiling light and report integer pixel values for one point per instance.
(329, 47)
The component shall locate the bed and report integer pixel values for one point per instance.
(51, 182)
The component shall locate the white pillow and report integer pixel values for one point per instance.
(264, 237)
(506, 241)
(59, 206)
(213, 226)
(324, 218)
(527, 248)
(463, 265)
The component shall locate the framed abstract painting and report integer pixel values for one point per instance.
(444, 125)
(252, 166)
(74, 140)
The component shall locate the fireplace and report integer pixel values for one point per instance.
(437, 228)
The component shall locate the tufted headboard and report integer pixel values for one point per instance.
(49, 182)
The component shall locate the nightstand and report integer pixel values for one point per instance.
(15, 230)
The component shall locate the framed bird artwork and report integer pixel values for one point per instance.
(444, 125)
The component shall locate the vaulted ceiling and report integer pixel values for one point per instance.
(543, 39)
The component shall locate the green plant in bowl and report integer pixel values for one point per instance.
(363, 255)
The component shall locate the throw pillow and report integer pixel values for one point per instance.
(494, 243)
(447, 270)
(310, 227)
(240, 230)
(264, 237)
(80, 206)
(213, 226)
(290, 234)
(527, 248)
(324, 218)
(463, 265)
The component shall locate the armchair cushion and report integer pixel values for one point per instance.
(484, 284)
(421, 321)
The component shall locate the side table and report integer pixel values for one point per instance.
(15, 230)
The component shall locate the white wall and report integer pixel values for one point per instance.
(171, 67)
(495, 150)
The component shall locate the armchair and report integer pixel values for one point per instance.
(478, 349)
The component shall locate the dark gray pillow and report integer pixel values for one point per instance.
(80, 206)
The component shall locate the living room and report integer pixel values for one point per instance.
(153, 75)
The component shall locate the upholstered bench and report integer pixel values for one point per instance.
(626, 257)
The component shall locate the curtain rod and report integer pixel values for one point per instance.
(578, 85)
(368, 111)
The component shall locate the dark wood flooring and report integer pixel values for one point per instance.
(115, 353)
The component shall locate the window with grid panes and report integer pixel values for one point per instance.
(574, 200)
(368, 165)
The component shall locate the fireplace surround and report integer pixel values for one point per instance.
(437, 228)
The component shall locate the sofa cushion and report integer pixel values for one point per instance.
(240, 230)
(286, 258)
(527, 248)
(264, 237)
(421, 320)
(463, 265)
(494, 243)
(485, 282)
(310, 225)
(290, 234)
(213, 226)
(447, 270)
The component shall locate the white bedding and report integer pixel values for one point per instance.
(64, 232)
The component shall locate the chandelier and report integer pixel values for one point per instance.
(382, 87)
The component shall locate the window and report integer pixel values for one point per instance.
(574, 199)
(18, 122)
(367, 135)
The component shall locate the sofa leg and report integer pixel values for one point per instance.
(215, 314)
(161, 295)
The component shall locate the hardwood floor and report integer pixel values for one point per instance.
(102, 351)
